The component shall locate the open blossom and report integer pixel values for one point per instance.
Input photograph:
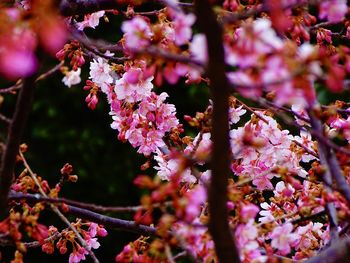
(246, 237)
(306, 140)
(249, 211)
(72, 78)
(137, 33)
(196, 198)
(333, 10)
(91, 20)
(167, 168)
(182, 26)
(133, 88)
(199, 49)
(100, 73)
(283, 190)
(235, 114)
(77, 255)
(283, 238)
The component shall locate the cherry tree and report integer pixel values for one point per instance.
(265, 179)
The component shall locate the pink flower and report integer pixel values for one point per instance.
(72, 78)
(167, 168)
(92, 243)
(77, 255)
(91, 20)
(182, 25)
(333, 10)
(199, 49)
(249, 211)
(196, 197)
(235, 114)
(132, 87)
(137, 33)
(283, 238)
(283, 190)
(100, 73)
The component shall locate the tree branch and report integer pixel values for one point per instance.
(339, 251)
(108, 221)
(328, 158)
(219, 228)
(15, 132)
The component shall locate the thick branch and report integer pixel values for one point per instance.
(16, 128)
(220, 89)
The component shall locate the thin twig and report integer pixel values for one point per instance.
(92, 207)
(58, 212)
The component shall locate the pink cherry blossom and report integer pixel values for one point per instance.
(249, 211)
(72, 78)
(199, 49)
(91, 20)
(333, 10)
(196, 197)
(283, 238)
(100, 73)
(283, 190)
(137, 33)
(235, 114)
(182, 26)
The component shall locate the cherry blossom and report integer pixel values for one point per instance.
(100, 73)
(91, 20)
(333, 10)
(137, 33)
(72, 78)
(283, 238)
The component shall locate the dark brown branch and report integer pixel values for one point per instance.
(100, 46)
(15, 132)
(82, 7)
(112, 222)
(107, 221)
(97, 208)
(219, 228)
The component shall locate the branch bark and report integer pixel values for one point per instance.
(219, 228)
(107, 221)
(15, 132)
(329, 159)
(82, 7)
(339, 251)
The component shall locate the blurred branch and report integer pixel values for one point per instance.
(219, 228)
(5, 119)
(339, 251)
(19, 83)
